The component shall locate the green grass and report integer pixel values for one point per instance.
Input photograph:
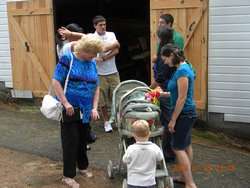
(207, 136)
(220, 139)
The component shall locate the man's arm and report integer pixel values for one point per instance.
(112, 46)
(103, 58)
(113, 53)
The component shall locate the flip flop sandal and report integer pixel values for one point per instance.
(70, 182)
(178, 179)
(86, 173)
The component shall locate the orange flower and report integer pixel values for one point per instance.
(153, 96)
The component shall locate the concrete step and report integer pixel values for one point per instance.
(4, 92)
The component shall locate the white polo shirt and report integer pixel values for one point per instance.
(141, 159)
(107, 67)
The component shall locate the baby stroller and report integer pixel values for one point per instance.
(128, 105)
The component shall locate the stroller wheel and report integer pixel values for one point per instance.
(160, 183)
(124, 183)
(110, 170)
(169, 182)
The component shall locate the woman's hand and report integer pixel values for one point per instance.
(154, 59)
(171, 126)
(94, 114)
(99, 60)
(165, 94)
(69, 109)
(64, 32)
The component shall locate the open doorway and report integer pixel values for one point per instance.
(129, 20)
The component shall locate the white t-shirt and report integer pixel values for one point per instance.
(66, 49)
(141, 159)
(107, 67)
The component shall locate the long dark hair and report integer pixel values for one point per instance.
(169, 49)
(165, 35)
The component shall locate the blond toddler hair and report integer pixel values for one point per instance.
(140, 129)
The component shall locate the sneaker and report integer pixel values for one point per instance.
(86, 173)
(111, 119)
(88, 147)
(107, 127)
(70, 182)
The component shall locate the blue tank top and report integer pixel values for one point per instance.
(184, 70)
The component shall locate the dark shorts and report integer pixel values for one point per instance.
(181, 138)
(132, 186)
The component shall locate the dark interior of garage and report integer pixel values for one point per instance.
(129, 20)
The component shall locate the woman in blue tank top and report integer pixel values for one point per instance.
(183, 115)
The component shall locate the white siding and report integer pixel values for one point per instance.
(229, 59)
(5, 60)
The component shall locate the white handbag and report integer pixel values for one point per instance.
(52, 108)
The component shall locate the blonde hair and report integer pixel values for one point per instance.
(89, 44)
(140, 128)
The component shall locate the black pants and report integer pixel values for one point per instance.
(166, 144)
(74, 140)
(166, 137)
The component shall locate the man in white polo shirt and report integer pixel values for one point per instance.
(106, 67)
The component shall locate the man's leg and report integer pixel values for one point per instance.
(105, 114)
(104, 88)
(113, 80)
(107, 126)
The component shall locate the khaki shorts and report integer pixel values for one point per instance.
(108, 84)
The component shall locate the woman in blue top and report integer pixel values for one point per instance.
(82, 92)
(181, 87)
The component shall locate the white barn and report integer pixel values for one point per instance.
(5, 60)
(229, 59)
